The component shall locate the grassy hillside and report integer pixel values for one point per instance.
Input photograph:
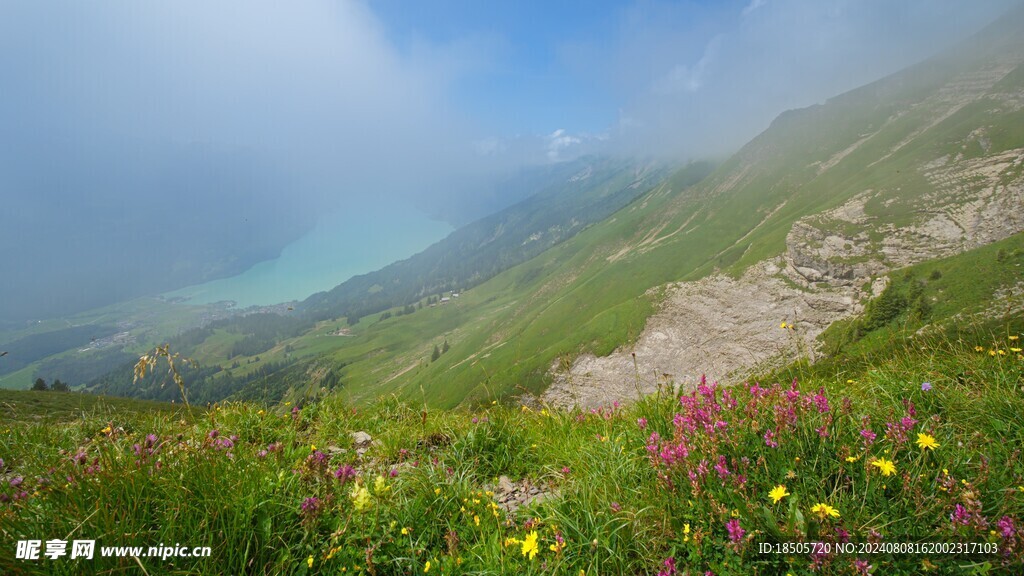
(921, 446)
(34, 406)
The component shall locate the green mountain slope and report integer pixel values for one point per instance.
(571, 197)
(881, 144)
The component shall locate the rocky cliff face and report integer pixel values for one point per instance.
(719, 326)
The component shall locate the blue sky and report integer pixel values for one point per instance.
(635, 75)
(522, 83)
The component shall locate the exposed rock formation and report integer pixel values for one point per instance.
(718, 326)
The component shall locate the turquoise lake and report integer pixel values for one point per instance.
(341, 245)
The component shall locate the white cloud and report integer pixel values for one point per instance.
(754, 5)
(682, 78)
(316, 87)
(558, 142)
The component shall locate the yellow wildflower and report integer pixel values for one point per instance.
(426, 567)
(887, 467)
(437, 491)
(924, 441)
(778, 493)
(360, 497)
(1013, 338)
(529, 547)
(852, 458)
(979, 348)
(1015, 350)
(476, 519)
(825, 510)
(309, 561)
(686, 532)
(405, 531)
(380, 485)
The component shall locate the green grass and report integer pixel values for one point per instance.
(33, 406)
(623, 501)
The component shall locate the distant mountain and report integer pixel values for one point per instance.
(565, 199)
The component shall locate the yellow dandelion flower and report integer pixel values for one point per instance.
(887, 467)
(778, 493)
(823, 510)
(924, 441)
(405, 531)
(529, 547)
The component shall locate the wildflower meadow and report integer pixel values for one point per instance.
(912, 453)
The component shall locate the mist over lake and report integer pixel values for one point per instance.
(342, 244)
